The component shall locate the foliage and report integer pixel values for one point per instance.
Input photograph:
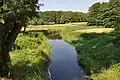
(104, 13)
(29, 62)
(117, 32)
(12, 18)
(57, 17)
(67, 17)
(94, 11)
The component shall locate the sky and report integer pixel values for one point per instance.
(67, 5)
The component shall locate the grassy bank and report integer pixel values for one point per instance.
(30, 56)
(97, 53)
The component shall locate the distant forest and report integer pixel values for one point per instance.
(106, 14)
(58, 17)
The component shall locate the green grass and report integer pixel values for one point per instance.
(97, 53)
(74, 30)
(30, 57)
(113, 73)
(69, 35)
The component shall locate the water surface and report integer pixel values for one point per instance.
(64, 64)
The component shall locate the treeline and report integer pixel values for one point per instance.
(105, 14)
(58, 17)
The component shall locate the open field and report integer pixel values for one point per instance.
(77, 27)
(60, 25)
(96, 30)
(55, 27)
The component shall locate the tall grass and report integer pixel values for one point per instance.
(29, 61)
(113, 73)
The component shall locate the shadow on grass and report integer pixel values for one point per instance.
(96, 52)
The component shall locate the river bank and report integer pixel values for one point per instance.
(98, 53)
(30, 57)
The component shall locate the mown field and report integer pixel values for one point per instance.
(77, 27)
(53, 27)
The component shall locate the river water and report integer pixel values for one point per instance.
(64, 64)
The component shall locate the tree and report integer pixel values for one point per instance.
(104, 14)
(67, 17)
(77, 17)
(13, 15)
(94, 11)
(112, 13)
(58, 16)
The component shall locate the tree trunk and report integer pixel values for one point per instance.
(24, 26)
(24, 30)
(4, 70)
(7, 38)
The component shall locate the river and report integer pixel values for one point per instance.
(64, 64)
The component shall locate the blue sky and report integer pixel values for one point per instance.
(67, 5)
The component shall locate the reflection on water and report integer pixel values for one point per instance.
(64, 64)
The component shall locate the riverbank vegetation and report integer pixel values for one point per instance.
(30, 57)
(98, 53)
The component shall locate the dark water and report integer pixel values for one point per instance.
(64, 64)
